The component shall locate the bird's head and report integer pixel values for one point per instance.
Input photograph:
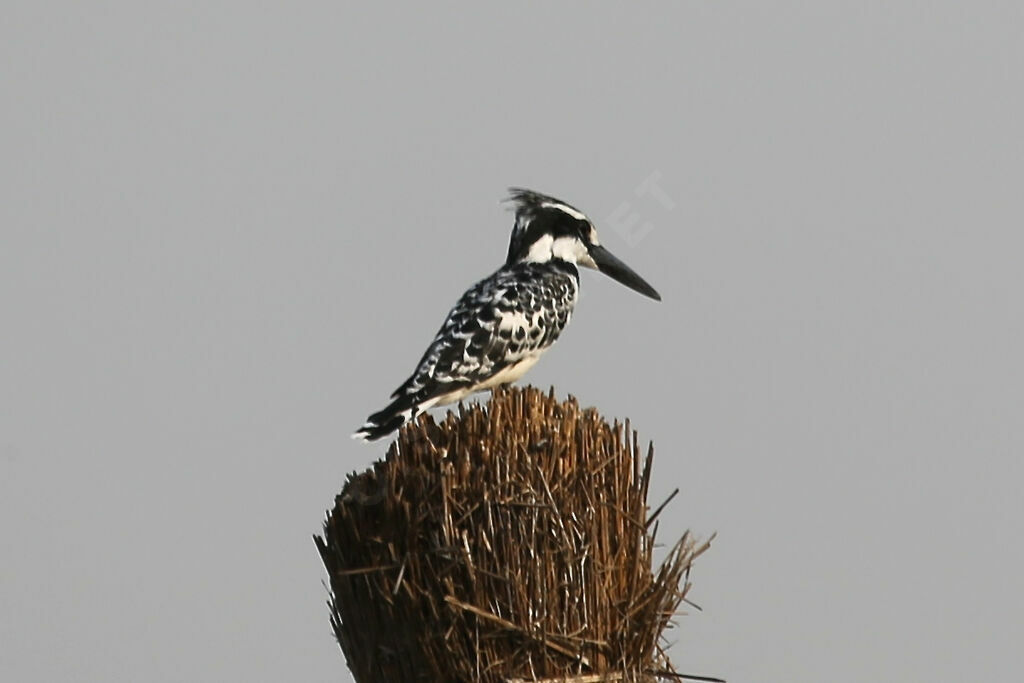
(547, 229)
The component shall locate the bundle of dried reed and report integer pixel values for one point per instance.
(509, 542)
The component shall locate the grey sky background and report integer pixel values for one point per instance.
(230, 229)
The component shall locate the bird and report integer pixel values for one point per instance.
(501, 326)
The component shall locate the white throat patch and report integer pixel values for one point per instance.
(567, 249)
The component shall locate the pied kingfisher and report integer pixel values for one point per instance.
(502, 324)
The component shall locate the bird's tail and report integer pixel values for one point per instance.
(398, 412)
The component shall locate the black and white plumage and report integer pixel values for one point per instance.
(502, 324)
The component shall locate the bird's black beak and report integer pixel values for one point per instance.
(611, 266)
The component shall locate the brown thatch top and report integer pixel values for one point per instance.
(511, 541)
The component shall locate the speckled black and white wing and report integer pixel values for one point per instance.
(495, 333)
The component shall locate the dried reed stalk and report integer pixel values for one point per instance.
(509, 542)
